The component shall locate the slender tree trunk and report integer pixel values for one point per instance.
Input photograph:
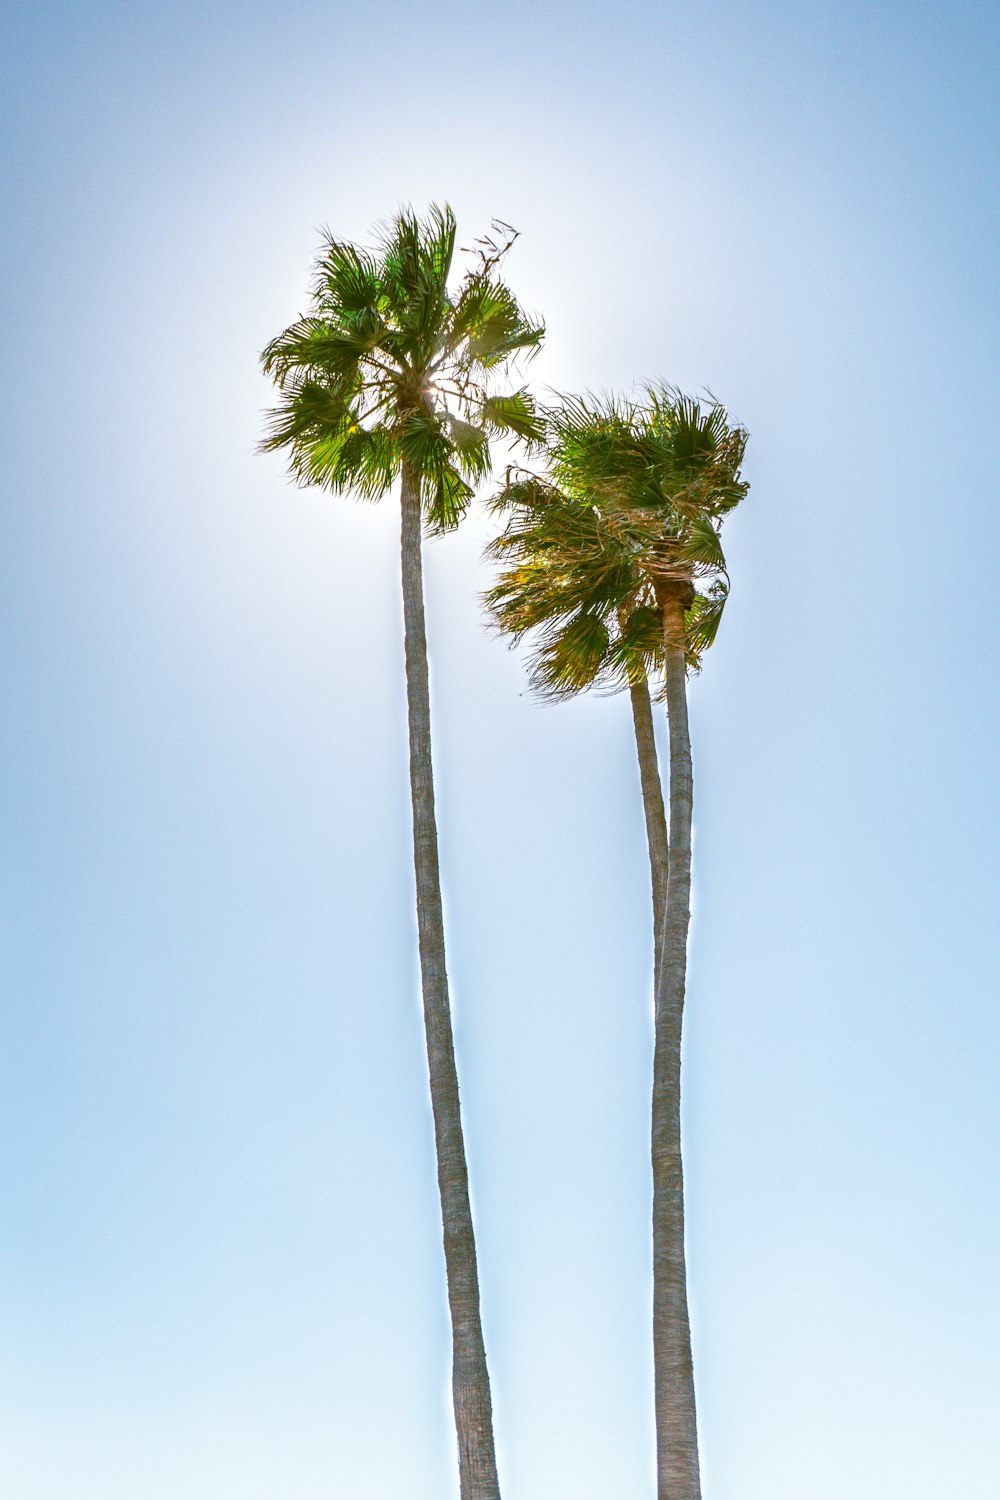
(676, 1426)
(470, 1379)
(652, 805)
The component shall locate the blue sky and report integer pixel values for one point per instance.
(220, 1269)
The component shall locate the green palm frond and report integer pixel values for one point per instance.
(423, 440)
(570, 658)
(416, 258)
(471, 446)
(636, 653)
(700, 543)
(318, 348)
(703, 620)
(522, 495)
(446, 498)
(348, 458)
(517, 414)
(488, 325)
(318, 408)
(346, 283)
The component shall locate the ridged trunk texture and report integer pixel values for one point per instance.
(470, 1380)
(677, 1465)
(652, 806)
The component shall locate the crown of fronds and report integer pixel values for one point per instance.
(389, 366)
(633, 493)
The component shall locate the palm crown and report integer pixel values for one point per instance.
(632, 501)
(390, 370)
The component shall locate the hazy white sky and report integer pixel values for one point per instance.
(221, 1273)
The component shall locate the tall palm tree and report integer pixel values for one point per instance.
(391, 374)
(614, 561)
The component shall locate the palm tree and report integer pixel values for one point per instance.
(391, 374)
(604, 555)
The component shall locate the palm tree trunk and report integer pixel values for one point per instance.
(652, 806)
(470, 1379)
(676, 1426)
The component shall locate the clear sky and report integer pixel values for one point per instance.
(220, 1265)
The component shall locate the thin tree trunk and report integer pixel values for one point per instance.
(470, 1379)
(676, 1426)
(652, 806)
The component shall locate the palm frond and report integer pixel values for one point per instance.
(346, 282)
(470, 444)
(361, 460)
(701, 543)
(446, 498)
(515, 413)
(703, 620)
(570, 657)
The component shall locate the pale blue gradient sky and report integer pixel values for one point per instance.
(220, 1271)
